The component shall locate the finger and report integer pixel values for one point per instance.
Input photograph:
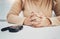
(31, 15)
(35, 14)
(35, 23)
(34, 18)
(37, 26)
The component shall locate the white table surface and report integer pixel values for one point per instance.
(31, 33)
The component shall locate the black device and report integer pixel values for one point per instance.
(12, 28)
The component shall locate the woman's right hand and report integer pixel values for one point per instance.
(27, 20)
(30, 19)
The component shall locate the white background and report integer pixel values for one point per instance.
(27, 32)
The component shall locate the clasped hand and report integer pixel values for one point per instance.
(36, 20)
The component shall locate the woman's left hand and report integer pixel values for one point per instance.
(40, 22)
